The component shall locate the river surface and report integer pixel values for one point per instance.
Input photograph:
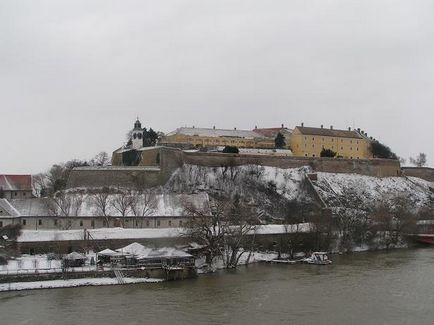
(394, 287)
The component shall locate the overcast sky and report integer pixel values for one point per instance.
(75, 74)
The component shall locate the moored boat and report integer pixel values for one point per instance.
(318, 258)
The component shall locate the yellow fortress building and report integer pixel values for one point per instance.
(349, 144)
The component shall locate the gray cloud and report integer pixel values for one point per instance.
(75, 74)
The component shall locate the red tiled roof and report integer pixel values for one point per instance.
(16, 182)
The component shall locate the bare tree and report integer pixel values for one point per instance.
(420, 160)
(121, 202)
(101, 199)
(394, 220)
(239, 222)
(62, 204)
(40, 184)
(101, 159)
(206, 229)
(143, 204)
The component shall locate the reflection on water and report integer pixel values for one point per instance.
(365, 288)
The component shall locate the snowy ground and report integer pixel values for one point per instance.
(218, 264)
(101, 233)
(72, 283)
(125, 233)
(366, 191)
(31, 264)
(192, 178)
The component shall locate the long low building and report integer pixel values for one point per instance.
(84, 212)
(192, 137)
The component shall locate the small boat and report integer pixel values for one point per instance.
(318, 258)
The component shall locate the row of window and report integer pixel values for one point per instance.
(313, 155)
(333, 147)
(333, 139)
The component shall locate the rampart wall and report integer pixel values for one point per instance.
(425, 173)
(370, 167)
(150, 173)
(115, 177)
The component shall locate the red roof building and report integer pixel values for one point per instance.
(15, 186)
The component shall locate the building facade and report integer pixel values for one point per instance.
(163, 211)
(15, 186)
(349, 144)
(192, 137)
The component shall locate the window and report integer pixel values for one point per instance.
(137, 223)
(24, 222)
(55, 222)
(147, 223)
(1, 224)
(342, 148)
(81, 223)
(39, 222)
(180, 223)
(170, 223)
(305, 154)
(24, 193)
(92, 223)
(16, 193)
(158, 223)
(313, 146)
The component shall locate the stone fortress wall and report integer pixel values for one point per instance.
(425, 173)
(159, 163)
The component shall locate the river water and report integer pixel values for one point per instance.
(394, 287)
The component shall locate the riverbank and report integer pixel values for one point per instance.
(382, 287)
(17, 286)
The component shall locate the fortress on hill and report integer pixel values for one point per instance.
(138, 164)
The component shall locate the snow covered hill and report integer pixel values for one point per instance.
(271, 186)
(365, 192)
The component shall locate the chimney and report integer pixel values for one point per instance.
(322, 126)
(193, 126)
(302, 124)
(256, 127)
(213, 127)
(358, 130)
(349, 128)
(235, 128)
(283, 126)
(331, 127)
(366, 133)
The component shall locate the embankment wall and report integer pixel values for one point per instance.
(425, 173)
(370, 167)
(169, 159)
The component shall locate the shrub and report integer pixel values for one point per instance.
(231, 149)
